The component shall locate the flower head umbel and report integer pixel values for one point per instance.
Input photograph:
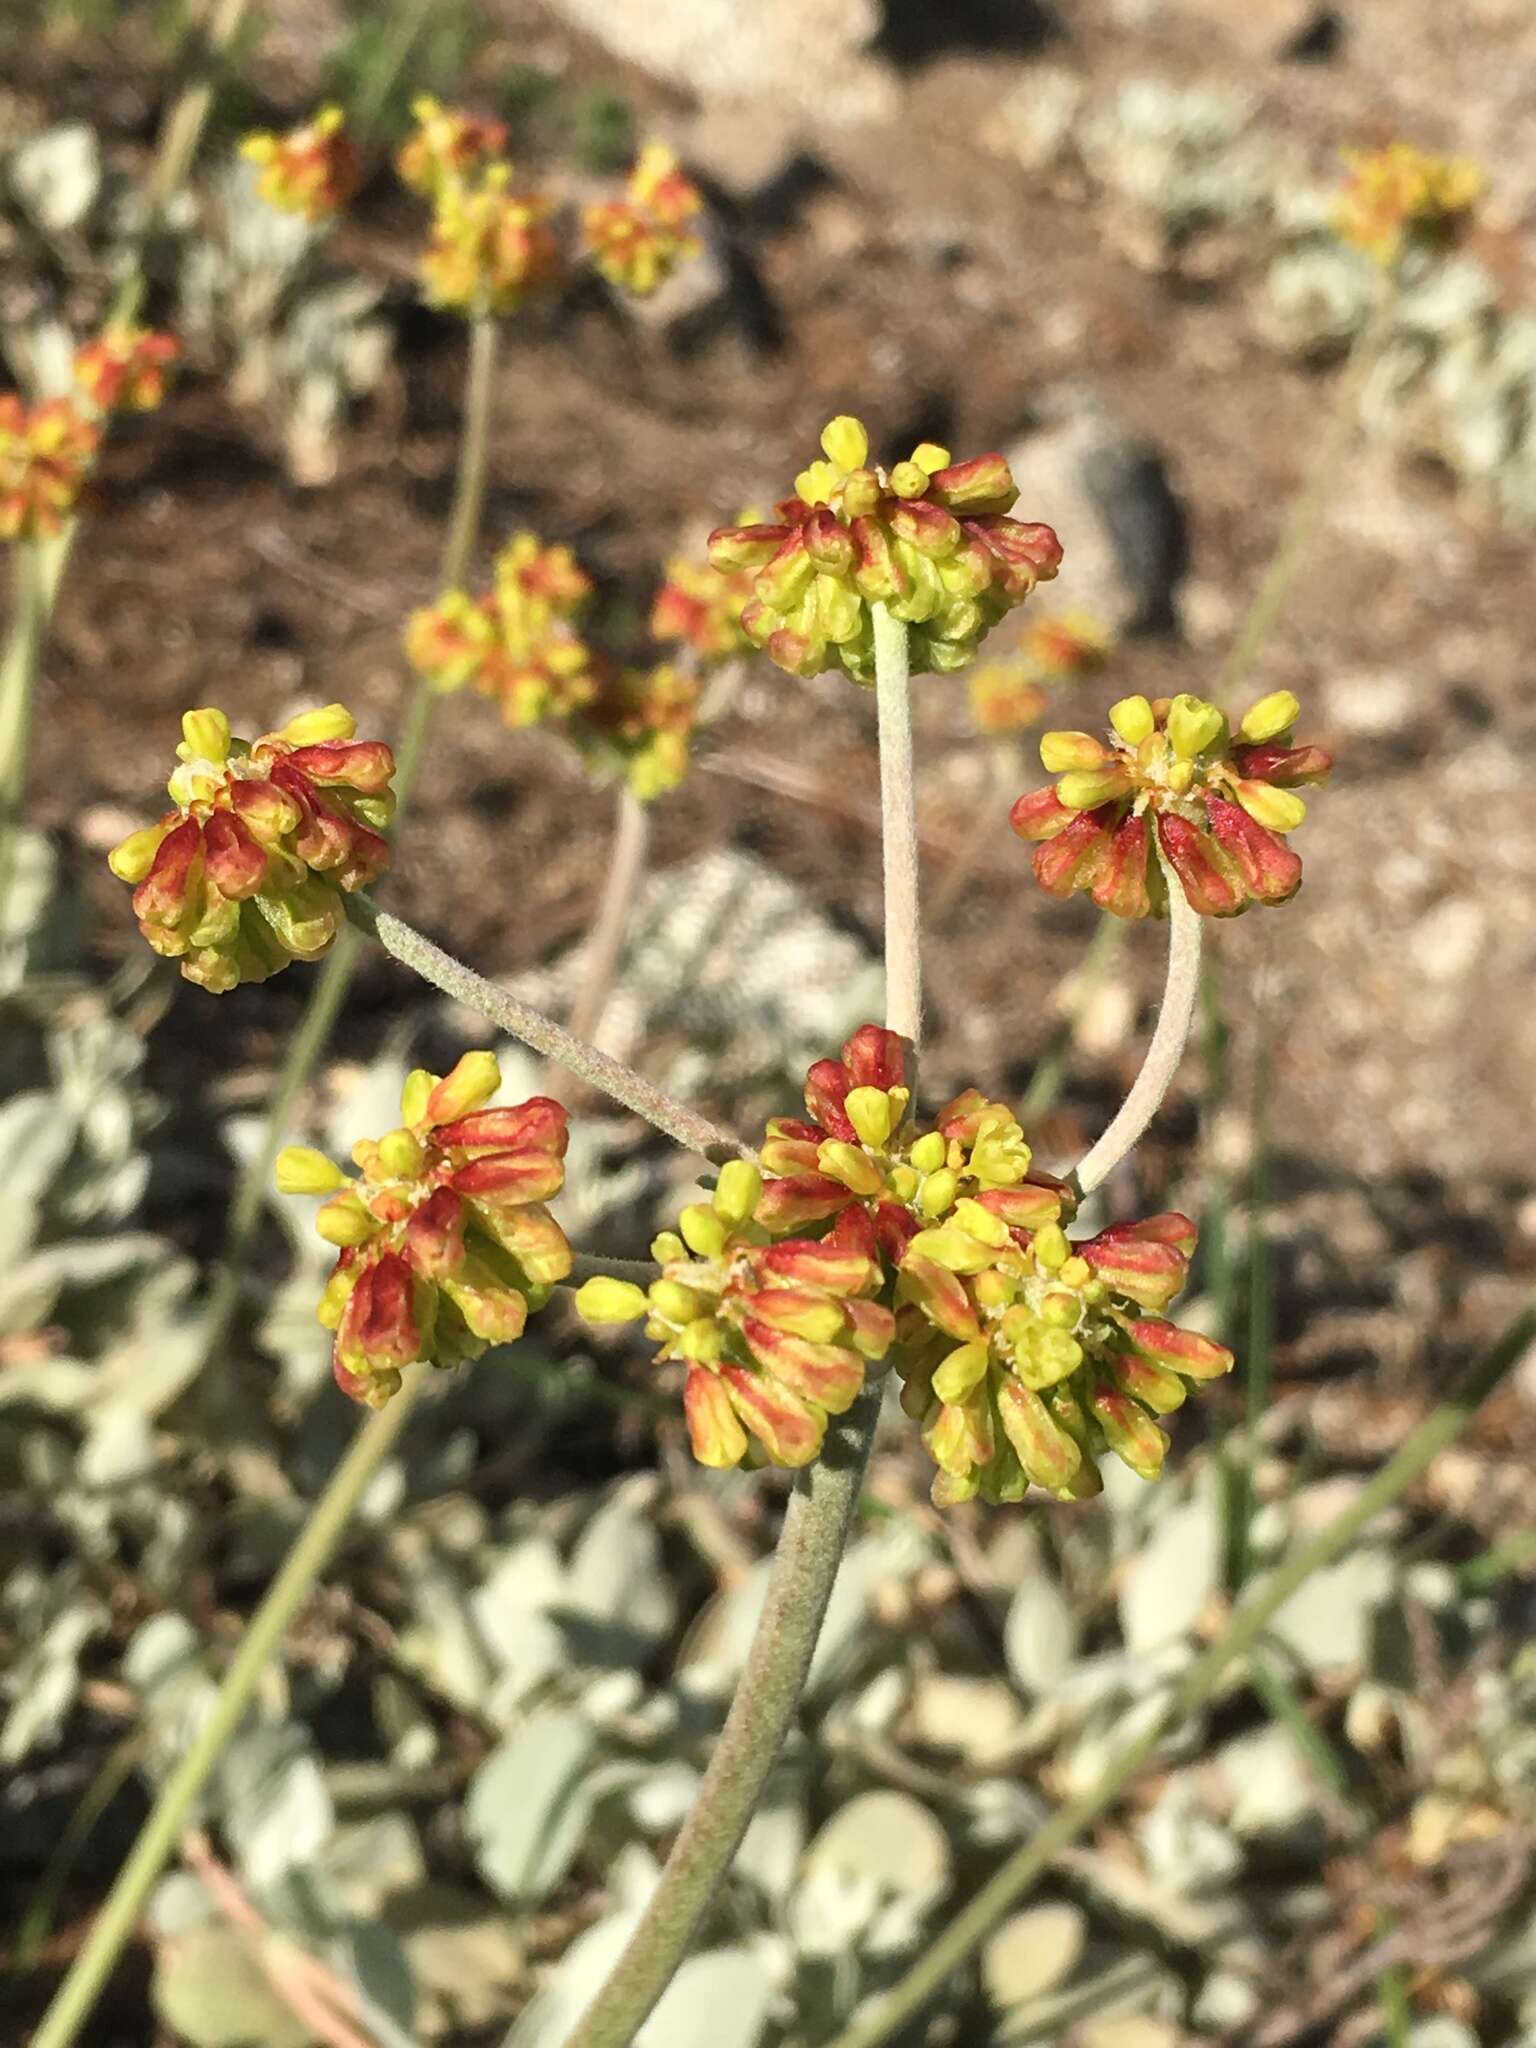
(645, 718)
(1400, 197)
(1068, 645)
(774, 1337)
(491, 244)
(858, 1150)
(930, 539)
(46, 452)
(638, 240)
(1220, 803)
(312, 170)
(701, 607)
(516, 643)
(247, 870)
(444, 1240)
(1025, 1357)
(445, 144)
(124, 369)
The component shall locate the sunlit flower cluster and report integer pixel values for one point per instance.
(1011, 692)
(929, 539)
(447, 144)
(46, 453)
(640, 238)
(643, 719)
(773, 1338)
(1399, 197)
(1220, 804)
(247, 871)
(1024, 1356)
(492, 243)
(445, 1243)
(517, 643)
(311, 170)
(858, 1147)
(124, 369)
(701, 607)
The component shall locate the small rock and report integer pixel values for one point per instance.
(975, 1718)
(1109, 496)
(1033, 1952)
(1272, 1791)
(1372, 705)
(1445, 943)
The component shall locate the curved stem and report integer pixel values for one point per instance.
(898, 813)
(1166, 1049)
(158, 1837)
(1311, 503)
(626, 866)
(1011, 1880)
(520, 1020)
(810, 1549)
(816, 1523)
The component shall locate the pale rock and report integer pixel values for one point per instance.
(1447, 941)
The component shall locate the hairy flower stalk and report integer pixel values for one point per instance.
(1171, 1035)
(810, 1550)
(521, 1021)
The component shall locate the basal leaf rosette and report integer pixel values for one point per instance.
(1025, 1357)
(1221, 805)
(639, 239)
(446, 144)
(930, 539)
(1401, 197)
(311, 170)
(124, 369)
(46, 453)
(516, 643)
(773, 1338)
(859, 1150)
(492, 243)
(444, 1241)
(247, 871)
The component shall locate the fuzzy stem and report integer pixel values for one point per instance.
(520, 1020)
(810, 1549)
(157, 1839)
(1012, 1879)
(463, 532)
(1166, 1049)
(626, 867)
(18, 688)
(816, 1522)
(898, 813)
(1312, 501)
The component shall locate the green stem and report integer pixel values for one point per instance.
(1165, 1050)
(898, 812)
(76, 1996)
(18, 689)
(1012, 1879)
(1307, 509)
(810, 1549)
(816, 1523)
(373, 94)
(520, 1020)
